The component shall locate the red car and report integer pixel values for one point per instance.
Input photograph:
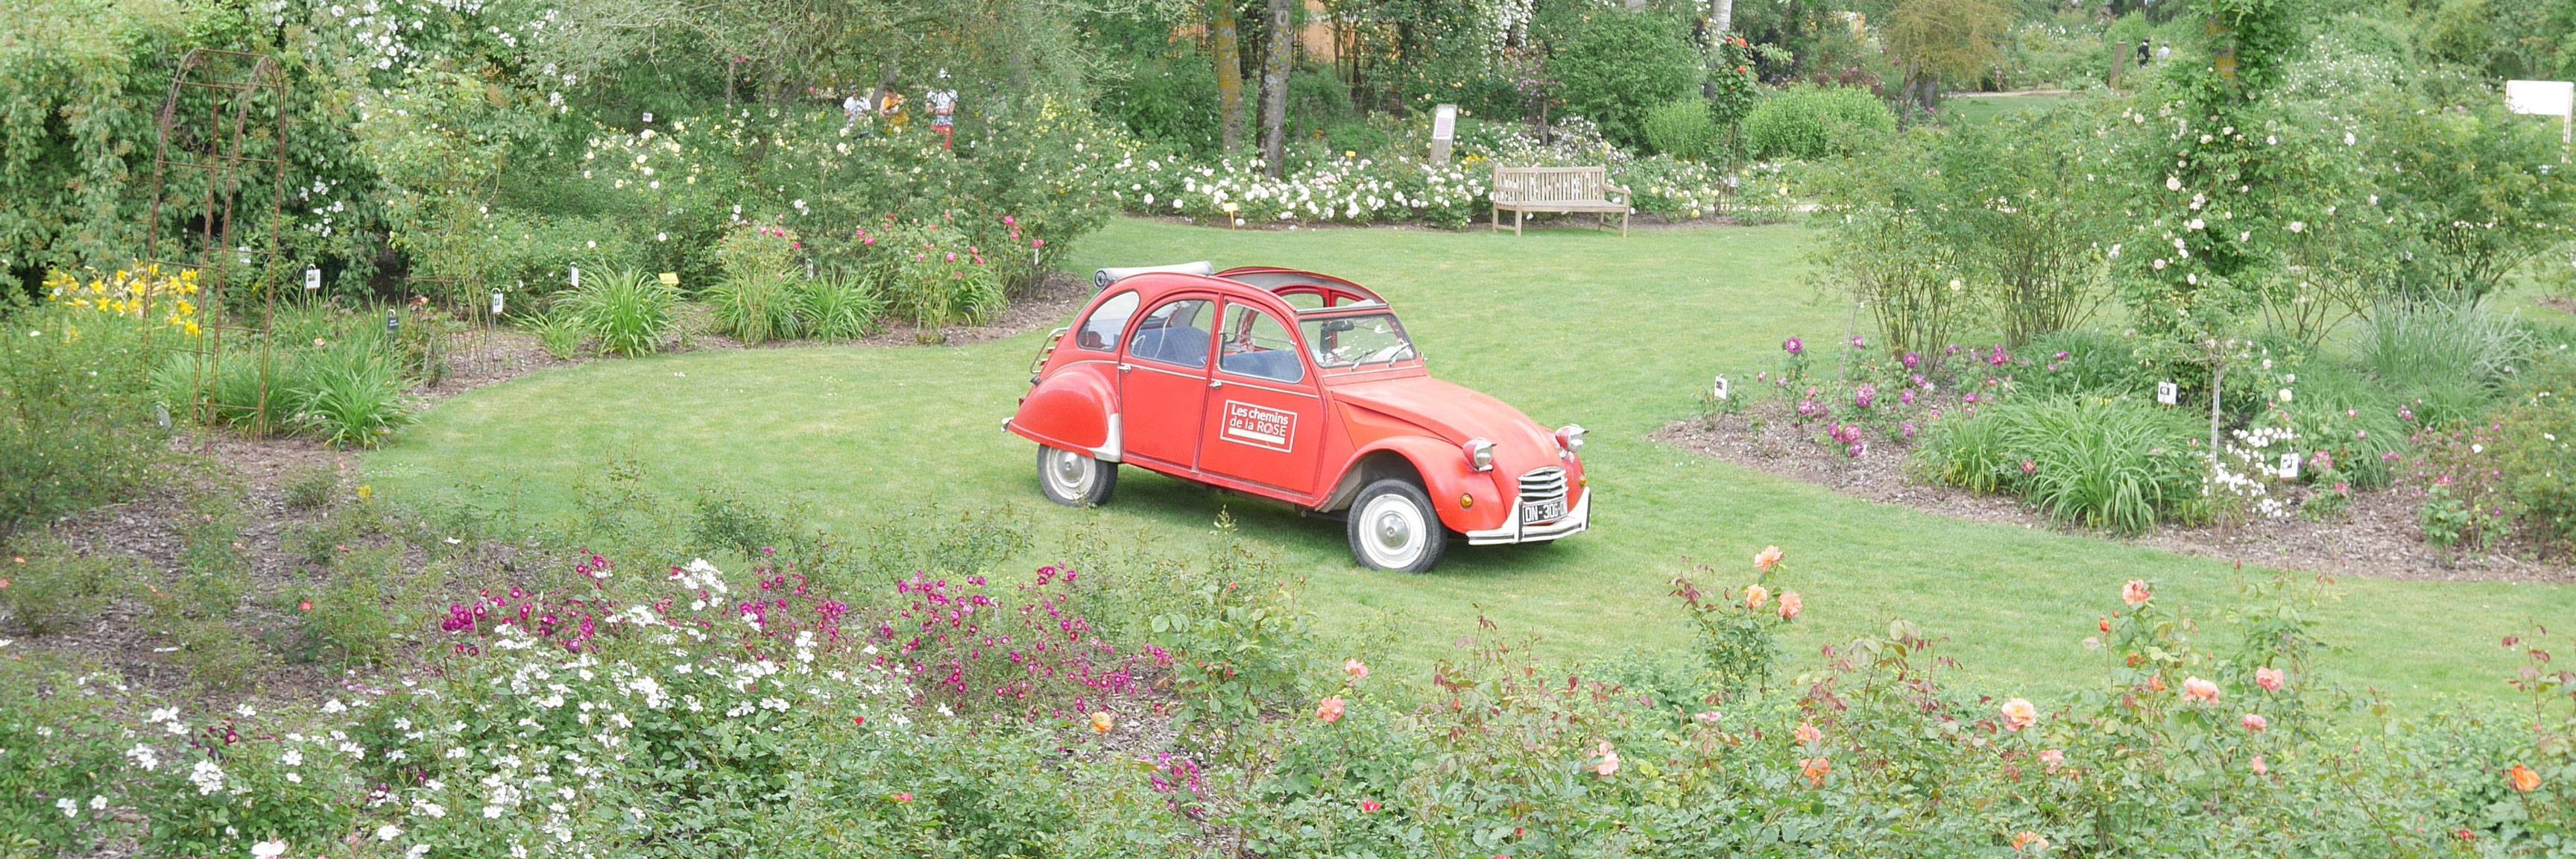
(1295, 386)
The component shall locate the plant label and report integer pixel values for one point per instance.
(670, 278)
(1444, 122)
(1718, 390)
(393, 322)
(496, 304)
(2289, 465)
(576, 277)
(2168, 393)
(312, 279)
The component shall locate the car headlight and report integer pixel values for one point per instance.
(1480, 454)
(1570, 437)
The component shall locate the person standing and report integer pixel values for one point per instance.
(943, 112)
(2164, 51)
(2142, 52)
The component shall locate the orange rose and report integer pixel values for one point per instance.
(2200, 690)
(1767, 558)
(1330, 711)
(1791, 605)
(1101, 722)
(1755, 596)
(1815, 769)
(2522, 778)
(2018, 714)
(2136, 592)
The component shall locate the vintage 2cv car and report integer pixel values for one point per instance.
(1298, 387)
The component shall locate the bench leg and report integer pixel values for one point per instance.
(1623, 225)
(1516, 221)
(1494, 216)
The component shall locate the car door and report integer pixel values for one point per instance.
(1163, 380)
(1264, 415)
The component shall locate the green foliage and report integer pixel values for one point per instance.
(346, 622)
(1683, 129)
(78, 421)
(626, 311)
(1242, 637)
(2536, 442)
(58, 719)
(1738, 631)
(1813, 123)
(1623, 66)
(838, 307)
(350, 396)
(560, 331)
(934, 277)
(313, 488)
(2118, 465)
(727, 519)
(2095, 363)
(756, 301)
(52, 588)
(334, 376)
(1167, 100)
(2450, 362)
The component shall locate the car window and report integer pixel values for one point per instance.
(1175, 333)
(1100, 332)
(1304, 300)
(1258, 346)
(1357, 341)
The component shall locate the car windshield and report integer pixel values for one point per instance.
(1357, 341)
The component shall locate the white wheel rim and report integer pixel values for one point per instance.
(1392, 531)
(1069, 475)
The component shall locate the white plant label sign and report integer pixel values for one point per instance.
(312, 279)
(496, 304)
(576, 277)
(1444, 122)
(1719, 390)
(2542, 98)
(2168, 393)
(2289, 465)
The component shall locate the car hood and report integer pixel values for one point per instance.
(1457, 414)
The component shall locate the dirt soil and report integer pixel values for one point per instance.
(2377, 539)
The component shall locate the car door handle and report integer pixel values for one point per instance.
(1126, 367)
(1216, 383)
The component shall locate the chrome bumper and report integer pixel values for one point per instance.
(1576, 521)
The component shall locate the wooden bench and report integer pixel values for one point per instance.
(1560, 190)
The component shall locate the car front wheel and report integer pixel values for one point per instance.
(1393, 527)
(1075, 479)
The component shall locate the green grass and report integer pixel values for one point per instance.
(1570, 325)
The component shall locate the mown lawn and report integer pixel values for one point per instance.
(1568, 324)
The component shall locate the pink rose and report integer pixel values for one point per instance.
(1330, 711)
(1357, 669)
(2054, 758)
(2259, 767)
(1808, 734)
(1791, 605)
(1755, 596)
(1609, 760)
(2255, 723)
(2269, 678)
(2203, 691)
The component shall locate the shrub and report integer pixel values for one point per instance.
(755, 302)
(78, 420)
(838, 307)
(51, 588)
(1622, 66)
(627, 311)
(2536, 448)
(1171, 101)
(312, 488)
(346, 621)
(1816, 122)
(1683, 129)
(58, 721)
(935, 277)
(2092, 362)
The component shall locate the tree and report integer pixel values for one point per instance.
(1933, 39)
(1275, 60)
(1226, 48)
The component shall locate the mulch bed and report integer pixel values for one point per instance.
(2376, 539)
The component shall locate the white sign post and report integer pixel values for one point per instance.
(312, 280)
(1444, 130)
(2168, 393)
(2546, 98)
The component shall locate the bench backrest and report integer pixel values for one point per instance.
(1550, 184)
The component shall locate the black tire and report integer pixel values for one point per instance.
(1392, 527)
(1075, 479)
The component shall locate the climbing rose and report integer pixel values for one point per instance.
(1330, 711)
(1791, 605)
(1767, 558)
(2268, 678)
(2136, 593)
(2200, 690)
(2019, 714)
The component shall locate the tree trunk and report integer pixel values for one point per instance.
(1275, 61)
(1723, 16)
(1227, 48)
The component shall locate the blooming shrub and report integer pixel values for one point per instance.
(79, 427)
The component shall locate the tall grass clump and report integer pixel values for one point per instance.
(839, 307)
(2118, 465)
(350, 395)
(755, 301)
(627, 311)
(2454, 359)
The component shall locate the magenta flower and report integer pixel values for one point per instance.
(1793, 346)
(1859, 343)
(1865, 395)
(2000, 357)
(1911, 360)
(1905, 397)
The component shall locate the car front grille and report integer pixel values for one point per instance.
(1546, 484)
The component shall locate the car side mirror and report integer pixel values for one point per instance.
(1337, 326)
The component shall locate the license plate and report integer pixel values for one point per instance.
(1542, 511)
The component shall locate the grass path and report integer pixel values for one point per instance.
(1569, 325)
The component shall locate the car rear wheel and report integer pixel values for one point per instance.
(1392, 527)
(1075, 479)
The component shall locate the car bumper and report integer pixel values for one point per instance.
(1576, 521)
